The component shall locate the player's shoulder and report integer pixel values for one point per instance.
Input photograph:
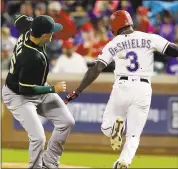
(29, 46)
(108, 45)
(29, 50)
(142, 34)
(146, 35)
(30, 53)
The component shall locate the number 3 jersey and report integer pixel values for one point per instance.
(29, 65)
(133, 53)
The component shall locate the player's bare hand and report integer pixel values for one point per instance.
(60, 87)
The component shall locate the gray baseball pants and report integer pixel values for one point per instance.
(26, 109)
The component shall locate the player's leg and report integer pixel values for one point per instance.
(28, 117)
(54, 109)
(136, 119)
(115, 115)
(26, 114)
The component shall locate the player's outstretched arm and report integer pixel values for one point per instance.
(28, 89)
(89, 77)
(172, 50)
(164, 46)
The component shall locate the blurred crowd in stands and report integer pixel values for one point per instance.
(86, 30)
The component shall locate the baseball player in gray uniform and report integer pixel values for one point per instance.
(27, 94)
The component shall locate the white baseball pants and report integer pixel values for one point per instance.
(131, 100)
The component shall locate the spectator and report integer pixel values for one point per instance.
(103, 22)
(40, 9)
(69, 27)
(68, 6)
(70, 61)
(88, 35)
(101, 35)
(5, 16)
(167, 27)
(172, 66)
(93, 41)
(2, 6)
(176, 33)
(87, 22)
(52, 61)
(105, 7)
(79, 16)
(53, 49)
(8, 43)
(143, 21)
(127, 6)
(26, 8)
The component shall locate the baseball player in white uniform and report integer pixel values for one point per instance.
(130, 99)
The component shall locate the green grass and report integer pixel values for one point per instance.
(98, 160)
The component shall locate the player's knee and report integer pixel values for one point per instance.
(65, 123)
(40, 140)
(106, 131)
(70, 122)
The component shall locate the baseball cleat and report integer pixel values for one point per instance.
(117, 132)
(46, 165)
(120, 165)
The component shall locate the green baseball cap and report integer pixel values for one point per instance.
(44, 24)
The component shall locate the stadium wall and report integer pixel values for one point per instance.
(159, 136)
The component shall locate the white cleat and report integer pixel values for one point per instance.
(117, 132)
(120, 165)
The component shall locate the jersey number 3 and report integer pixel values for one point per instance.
(132, 56)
